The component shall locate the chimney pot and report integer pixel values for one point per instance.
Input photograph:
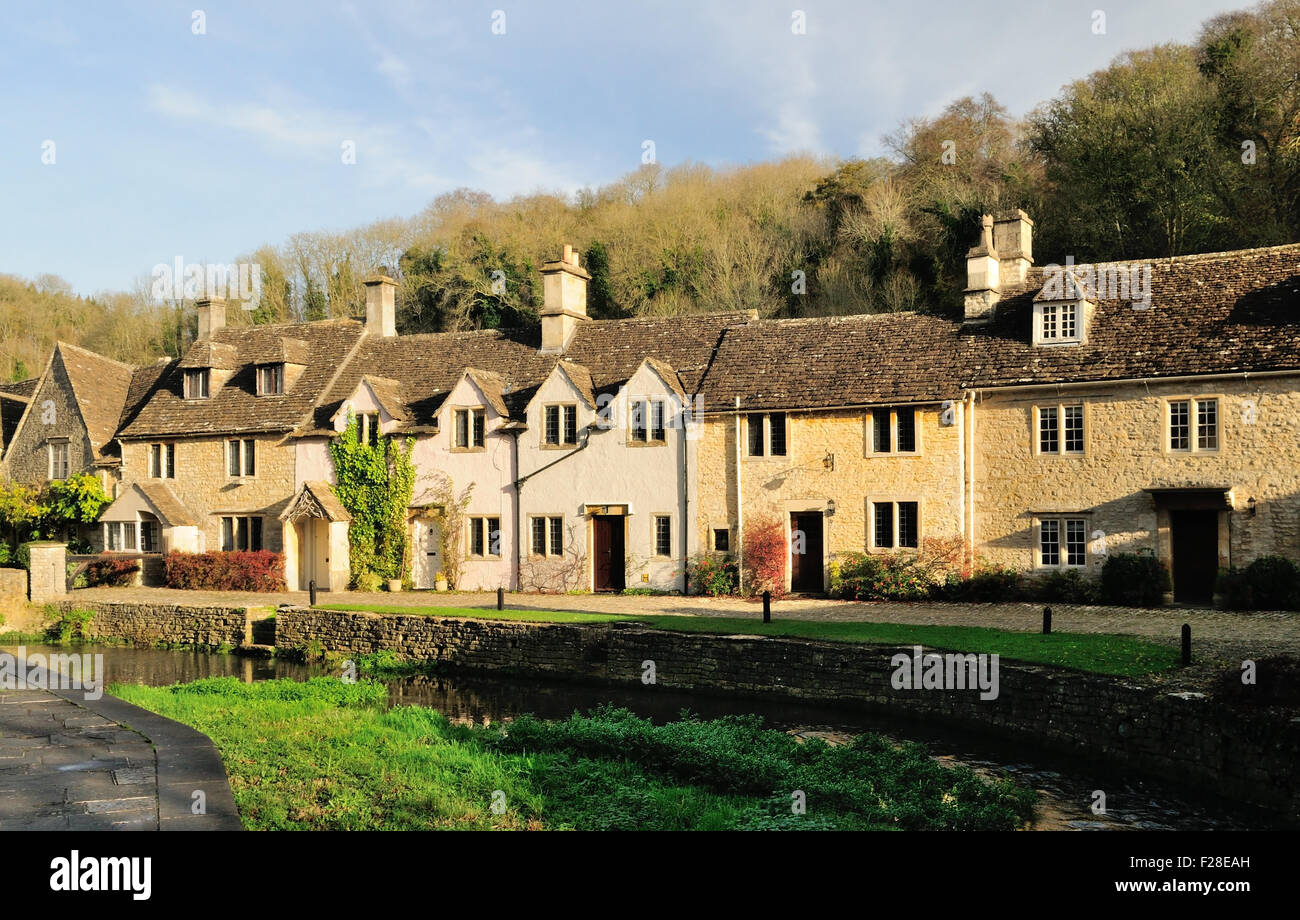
(983, 288)
(564, 285)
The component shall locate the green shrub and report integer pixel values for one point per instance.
(713, 576)
(987, 584)
(369, 581)
(894, 577)
(1067, 587)
(1234, 590)
(68, 624)
(1275, 582)
(1130, 580)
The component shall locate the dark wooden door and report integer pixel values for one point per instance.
(1195, 540)
(609, 561)
(806, 565)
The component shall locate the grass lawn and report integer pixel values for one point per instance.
(1120, 656)
(326, 755)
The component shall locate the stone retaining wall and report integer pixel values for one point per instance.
(1245, 754)
(13, 589)
(150, 623)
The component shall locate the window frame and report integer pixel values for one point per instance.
(245, 449)
(1057, 311)
(894, 504)
(1194, 407)
(1059, 429)
(764, 429)
(162, 456)
(655, 520)
(475, 428)
(891, 414)
(275, 371)
(369, 428)
(478, 529)
(204, 376)
(564, 413)
(726, 531)
(1060, 523)
(551, 526)
(243, 525)
(64, 447)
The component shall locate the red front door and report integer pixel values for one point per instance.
(609, 562)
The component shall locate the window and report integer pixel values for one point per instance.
(368, 428)
(777, 437)
(120, 537)
(548, 536)
(638, 421)
(896, 524)
(162, 461)
(561, 425)
(722, 539)
(1207, 424)
(893, 429)
(270, 379)
(196, 384)
(776, 433)
(1060, 429)
(471, 425)
(1206, 413)
(60, 464)
(241, 534)
(657, 432)
(485, 536)
(241, 457)
(1062, 541)
(754, 424)
(1058, 322)
(605, 411)
(663, 535)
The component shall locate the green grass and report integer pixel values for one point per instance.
(1119, 656)
(484, 613)
(325, 755)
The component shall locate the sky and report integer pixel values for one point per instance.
(134, 134)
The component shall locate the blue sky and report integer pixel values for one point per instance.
(169, 143)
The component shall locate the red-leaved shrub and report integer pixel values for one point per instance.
(110, 572)
(765, 555)
(236, 571)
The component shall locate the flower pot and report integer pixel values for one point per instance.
(395, 585)
(440, 584)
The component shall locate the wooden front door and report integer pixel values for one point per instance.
(609, 561)
(806, 552)
(1195, 544)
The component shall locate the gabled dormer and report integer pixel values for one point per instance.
(1062, 309)
(379, 405)
(475, 406)
(205, 368)
(278, 362)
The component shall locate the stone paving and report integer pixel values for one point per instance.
(1227, 633)
(63, 767)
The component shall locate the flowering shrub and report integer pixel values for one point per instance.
(765, 555)
(237, 571)
(110, 572)
(896, 577)
(713, 576)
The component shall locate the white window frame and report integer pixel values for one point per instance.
(54, 447)
(1053, 317)
(549, 532)
(246, 451)
(201, 374)
(765, 436)
(870, 423)
(478, 525)
(1195, 404)
(1059, 429)
(562, 413)
(654, 536)
(472, 414)
(369, 428)
(1061, 523)
(162, 460)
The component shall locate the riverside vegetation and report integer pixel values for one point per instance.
(327, 755)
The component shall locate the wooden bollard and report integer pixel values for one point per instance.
(767, 606)
(501, 598)
(1047, 621)
(1187, 644)
(311, 591)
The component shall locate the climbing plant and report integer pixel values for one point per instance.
(443, 495)
(375, 482)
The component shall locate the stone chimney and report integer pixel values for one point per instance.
(1013, 238)
(381, 306)
(564, 285)
(982, 275)
(212, 316)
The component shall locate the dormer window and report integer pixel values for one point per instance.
(196, 383)
(270, 379)
(1061, 322)
(368, 428)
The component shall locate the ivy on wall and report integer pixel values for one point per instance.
(375, 482)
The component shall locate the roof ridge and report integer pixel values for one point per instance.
(59, 343)
(1188, 257)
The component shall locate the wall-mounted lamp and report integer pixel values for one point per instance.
(830, 506)
(1250, 503)
(828, 462)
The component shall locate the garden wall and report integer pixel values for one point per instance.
(150, 623)
(1243, 753)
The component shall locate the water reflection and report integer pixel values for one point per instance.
(1065, 786)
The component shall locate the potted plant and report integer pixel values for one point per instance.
(395, 585)
(440, 581)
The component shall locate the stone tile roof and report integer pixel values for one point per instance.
(218, 355)
(170, 509)
(580, 377)
(100, 387)
(1209, 314)
(833, 361)
(20, 389)
(234, 407)
(428, 366)
(388, 392)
